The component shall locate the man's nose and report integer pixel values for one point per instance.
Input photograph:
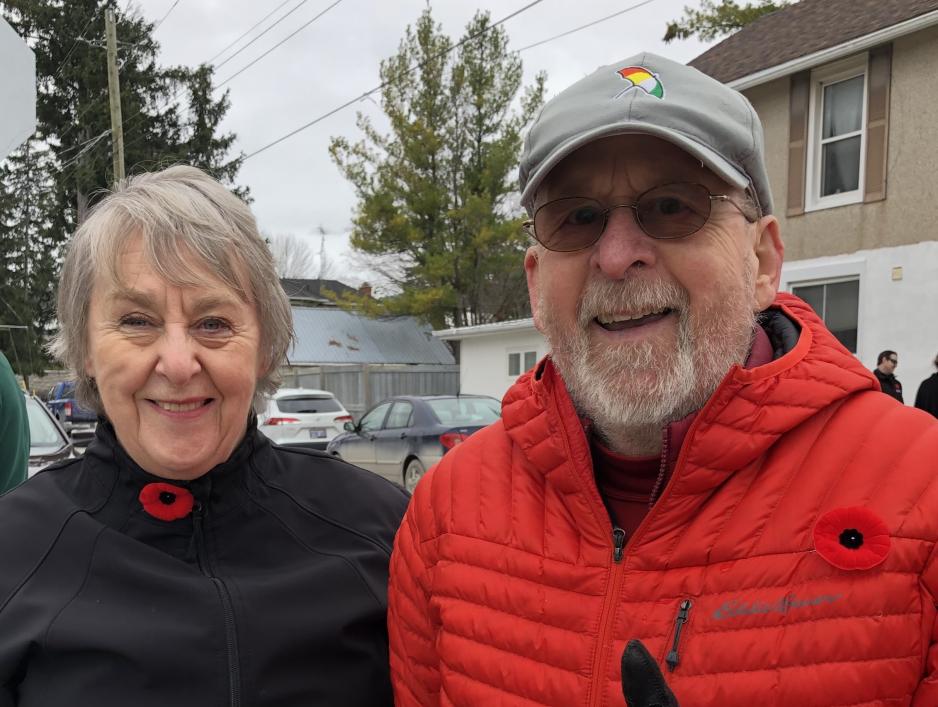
(178, 359)
(624, 245)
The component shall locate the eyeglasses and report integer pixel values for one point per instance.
(665, 212)
(893, 360)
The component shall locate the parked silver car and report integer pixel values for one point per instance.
(303, 417)
(48, 441)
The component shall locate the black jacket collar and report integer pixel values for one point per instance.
(121, 479)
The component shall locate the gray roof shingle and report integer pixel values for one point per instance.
(801, 29)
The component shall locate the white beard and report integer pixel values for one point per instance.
(630, 391)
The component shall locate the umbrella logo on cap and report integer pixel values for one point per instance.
(642, 78)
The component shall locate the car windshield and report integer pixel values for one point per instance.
(43, 434)
(309, 403)
(466, 411)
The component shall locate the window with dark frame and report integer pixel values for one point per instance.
(837, 303)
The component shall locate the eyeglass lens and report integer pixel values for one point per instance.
(668, 211)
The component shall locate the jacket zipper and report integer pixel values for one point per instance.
(662, 466)
(607, 616)
(231, 638)
(673, 659)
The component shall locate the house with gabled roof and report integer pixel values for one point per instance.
(318, 292)
(847, 91)
(361, 359)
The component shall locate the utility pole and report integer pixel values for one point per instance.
(114, 92)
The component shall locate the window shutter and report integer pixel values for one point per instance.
(799, 94)
(877, 123)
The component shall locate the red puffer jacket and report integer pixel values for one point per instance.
(507, 589)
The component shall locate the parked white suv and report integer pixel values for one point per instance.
(303, 416)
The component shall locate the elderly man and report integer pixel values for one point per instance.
(698, 491)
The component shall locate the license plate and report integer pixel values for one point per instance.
(317, 434)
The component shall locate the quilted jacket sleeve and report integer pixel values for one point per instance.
(927, 692)
(415, 672)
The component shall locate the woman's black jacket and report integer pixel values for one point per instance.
(272, 591)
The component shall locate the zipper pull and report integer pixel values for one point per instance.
(618, 544)
(672, 660)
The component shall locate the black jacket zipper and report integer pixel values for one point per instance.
(231, 637)
(683, 610)
(618, 544)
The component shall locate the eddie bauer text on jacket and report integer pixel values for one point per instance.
(508, 585)
(272, 592)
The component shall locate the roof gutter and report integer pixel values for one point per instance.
(471, 332)
(824, 56)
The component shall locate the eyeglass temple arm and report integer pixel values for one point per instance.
(725, 197)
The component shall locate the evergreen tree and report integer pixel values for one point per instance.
(436, 212)
(29, 251)
(714, 20)
(202, 146)
(67, 37)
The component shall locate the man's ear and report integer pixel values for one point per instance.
(769, 251)
(531, 265)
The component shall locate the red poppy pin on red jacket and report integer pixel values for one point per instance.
(852, 538)
(165, 501)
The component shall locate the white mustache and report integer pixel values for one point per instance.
(634, 297)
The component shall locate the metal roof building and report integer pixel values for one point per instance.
(333, 336)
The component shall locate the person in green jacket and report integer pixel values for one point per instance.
(14, 429)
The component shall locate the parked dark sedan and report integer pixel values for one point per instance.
(402, 437)
(48, 441)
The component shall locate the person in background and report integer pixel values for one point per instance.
(184, 560)
(885, 372)
(14, 430)
(699, 496)
(927, 396)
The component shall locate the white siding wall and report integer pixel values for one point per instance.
(901, 315)
(483, 360)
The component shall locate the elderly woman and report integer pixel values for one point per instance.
(184, 560)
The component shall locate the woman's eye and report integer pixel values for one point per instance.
(214, 326)
(134, 322)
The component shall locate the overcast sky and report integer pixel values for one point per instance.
(295, 186)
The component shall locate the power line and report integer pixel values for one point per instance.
(89, 145)
(81, 36)
(289, 36)
(590, 24)
(247, 32)
(407, 71)
(298, 6)
(248, 66)
(163, 19)
(172, 98)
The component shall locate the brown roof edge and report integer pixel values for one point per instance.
(801, 29)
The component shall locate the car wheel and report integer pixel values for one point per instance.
(413, 472)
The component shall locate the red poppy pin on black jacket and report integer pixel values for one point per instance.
(261, 583)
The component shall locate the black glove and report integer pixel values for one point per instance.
(642, 682)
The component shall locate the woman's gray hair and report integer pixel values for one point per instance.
(189, 223)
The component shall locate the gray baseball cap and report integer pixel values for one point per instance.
(651, 95)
